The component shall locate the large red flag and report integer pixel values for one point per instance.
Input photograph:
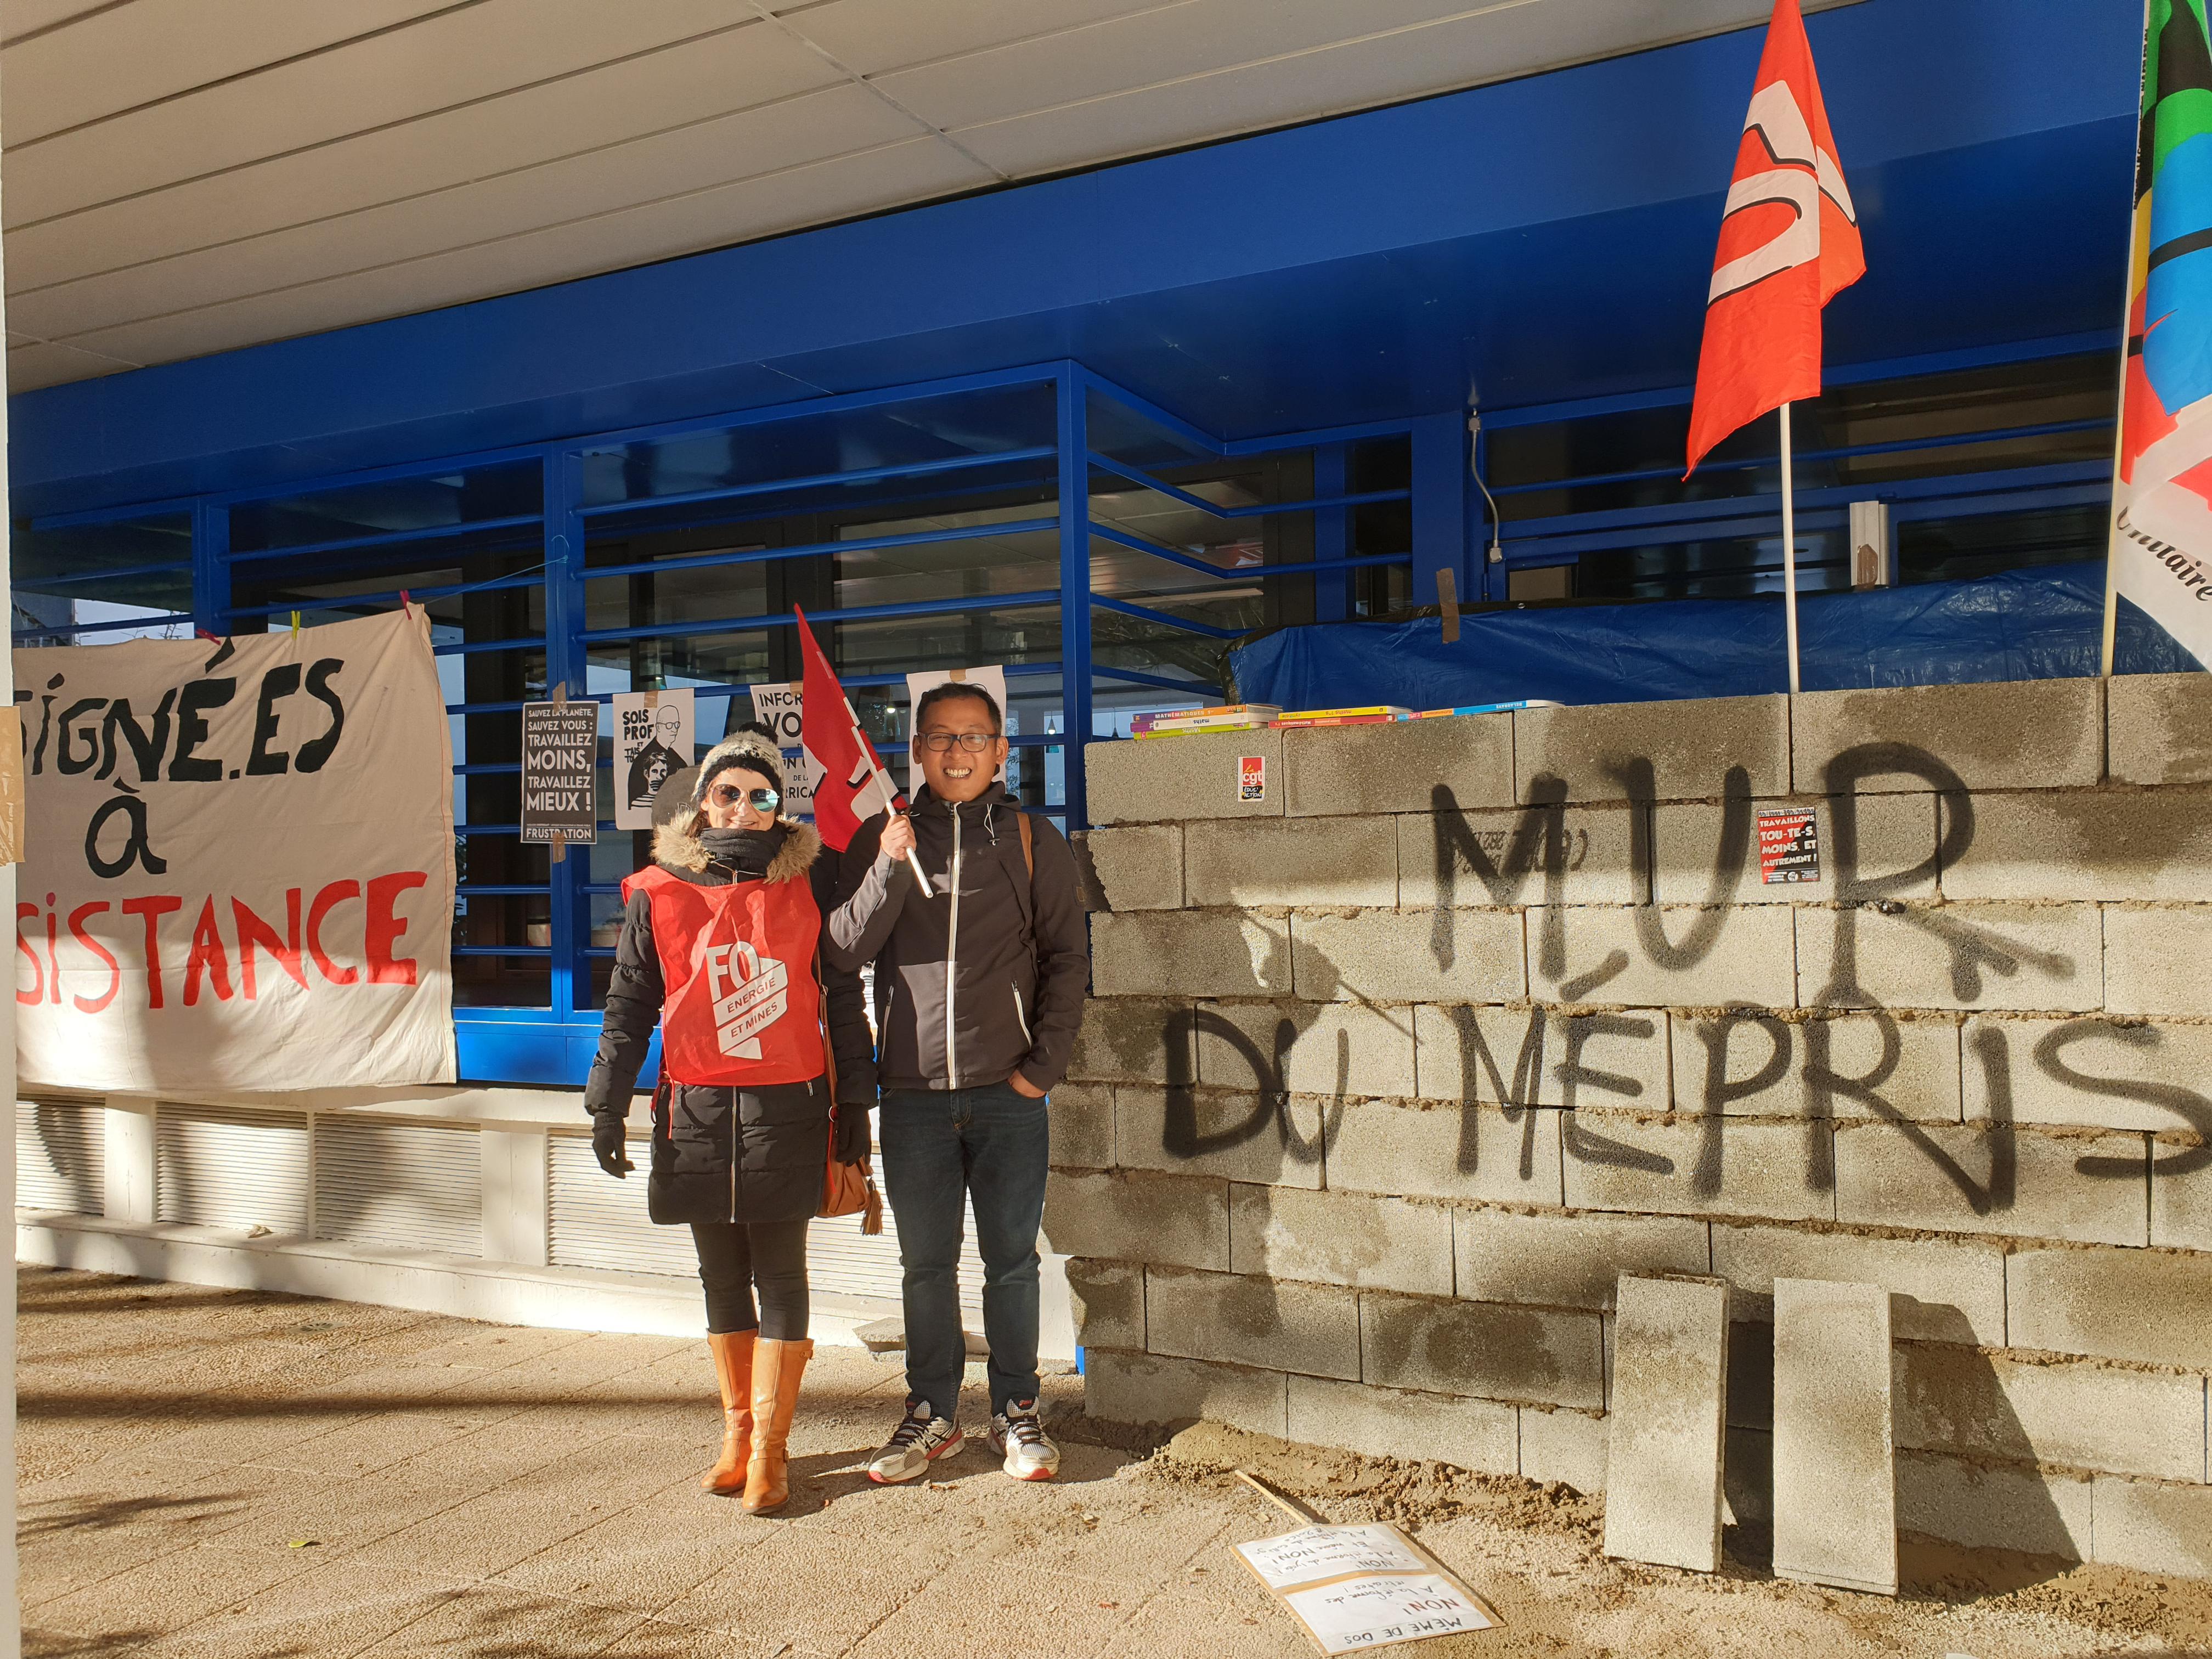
(1790, 243)
(850, 783)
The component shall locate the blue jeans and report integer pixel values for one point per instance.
(941, 1145)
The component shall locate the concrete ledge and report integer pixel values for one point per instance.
(498, 1293)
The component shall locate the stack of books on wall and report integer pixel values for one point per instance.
(1374, 714)
(1233, 717)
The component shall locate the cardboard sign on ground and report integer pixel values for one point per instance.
(1356, 1588)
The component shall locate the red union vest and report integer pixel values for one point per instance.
(741, 1007)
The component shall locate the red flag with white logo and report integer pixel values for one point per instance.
(850, 783)
(1789, 243)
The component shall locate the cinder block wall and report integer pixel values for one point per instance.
(1388, 1075)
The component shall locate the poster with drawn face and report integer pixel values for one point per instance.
(653, 742)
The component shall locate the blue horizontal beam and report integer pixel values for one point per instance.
(502, 888)
(1146, 613)
(1137, 676)
(385, 538)
(1138, 475)
(810, 549)
(850, 613)
(502, 949)
(1241, 572)
(479, 648)
(389, 596)
(818, 481)
(40, 584)
(1896, 446)
(115, 627)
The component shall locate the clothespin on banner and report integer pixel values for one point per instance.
(1448, 599)
(406, 604)
(295, 624)
(560, 845)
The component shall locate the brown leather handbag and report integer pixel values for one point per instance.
(847, 1188)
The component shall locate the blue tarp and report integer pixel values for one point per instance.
(2023, 625)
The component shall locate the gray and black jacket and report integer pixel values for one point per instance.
(983, 976)
(718, 1154)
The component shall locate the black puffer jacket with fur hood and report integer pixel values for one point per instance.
(724, 1154)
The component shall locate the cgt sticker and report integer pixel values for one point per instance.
(1251, 777)
(1789, 846)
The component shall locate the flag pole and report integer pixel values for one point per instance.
(1788, 552)
(891, 808)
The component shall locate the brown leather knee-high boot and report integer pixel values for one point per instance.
(777, 1368)
(734, 1370)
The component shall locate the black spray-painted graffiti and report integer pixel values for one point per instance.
(1529, 866)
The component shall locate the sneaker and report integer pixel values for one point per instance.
(919, 1440)
(1020, 1439)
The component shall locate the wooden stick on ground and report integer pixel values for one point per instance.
(1282, 1500)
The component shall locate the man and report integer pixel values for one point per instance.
(652, 765)
(979, 992)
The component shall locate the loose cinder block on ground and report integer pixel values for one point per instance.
(2082, 1414)
(2154, 1306)
(1486, 1349)
(1407, 956)
(1243, 1134)
(1994, 1507)
(2159, 729)
(1179, 779)
(1080, 1123)
(1528, 855)
(1687, 749)
(1694, 1166)
(1172, 1220)
(1132, 1040)
(2154, 1528)
(1568, 1260)
(1979, 1178)
(2078, 844)
(1663, 1501)
(1108, 1303)
(1139, 1388)
(1237, 1319)
(1941, 1289)
(1331, 1049)
(1183, 953)
(1351, 861)
(1890, 840)
(2033, 958)
(1569, 1446)
(1650, 956)
(1470, 1434)
(2015, 734)
(2088, 1071)
(1424, 1151)
(1835, 1492)
(1357, 1239)
(1335, 770)
(1756, 1065)
(1535, 1056)
(1136, 868)
(2150, 960)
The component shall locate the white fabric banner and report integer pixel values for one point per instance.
(239, 863)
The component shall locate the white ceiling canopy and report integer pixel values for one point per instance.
(181, 178)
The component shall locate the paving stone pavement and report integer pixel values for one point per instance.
(215, 1474)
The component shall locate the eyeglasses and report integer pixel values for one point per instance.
(940, 743)
(728, 794)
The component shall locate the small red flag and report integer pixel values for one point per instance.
(850, 783)
(1789, 243)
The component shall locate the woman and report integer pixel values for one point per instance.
(720, 947)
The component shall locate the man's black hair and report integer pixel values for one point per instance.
(937, 693)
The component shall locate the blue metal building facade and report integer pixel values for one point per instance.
(1097, 428)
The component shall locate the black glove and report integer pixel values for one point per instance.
(608, 1133)
(850, 1133)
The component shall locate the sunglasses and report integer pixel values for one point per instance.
(940, 743)
(728, 794)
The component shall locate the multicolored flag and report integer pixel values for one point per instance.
(850, 783)
(2161, 546)
(1789, 243)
